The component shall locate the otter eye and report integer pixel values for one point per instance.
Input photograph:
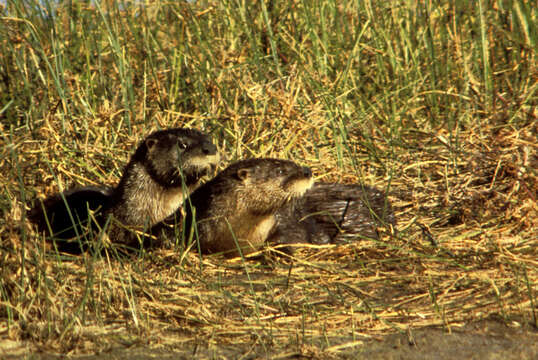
(280, 171)
(181, 145)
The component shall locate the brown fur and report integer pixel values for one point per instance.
(334, 213)
(237, 207)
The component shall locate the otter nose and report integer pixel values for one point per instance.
(209, 148)
(307, 172)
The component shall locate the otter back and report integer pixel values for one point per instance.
(334, 213)
(67, 214)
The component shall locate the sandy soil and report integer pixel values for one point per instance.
(488, 339)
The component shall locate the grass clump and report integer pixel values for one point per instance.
(438, 100)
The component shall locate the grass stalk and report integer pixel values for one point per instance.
(434, 102)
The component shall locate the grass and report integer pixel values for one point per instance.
(434, 101)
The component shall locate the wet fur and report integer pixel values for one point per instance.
(334, 213)
(165, 167)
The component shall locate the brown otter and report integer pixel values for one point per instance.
(236, 209)
(166, 165)
(333, 213)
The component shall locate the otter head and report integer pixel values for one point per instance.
(267, 184)
(176, 156)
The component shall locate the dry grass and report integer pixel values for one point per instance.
(457, 154)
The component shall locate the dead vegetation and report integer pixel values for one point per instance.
(464, 190)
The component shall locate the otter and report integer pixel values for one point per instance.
(234, 213)
(166, 166)
(334, 213)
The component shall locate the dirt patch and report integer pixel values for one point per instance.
(487, 339)
(483, 340)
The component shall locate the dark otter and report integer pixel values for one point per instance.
(65, 215)
(237, 208)
(333, 213)
(165, 167)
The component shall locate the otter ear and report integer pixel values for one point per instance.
(150, 143)
(243, 174)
